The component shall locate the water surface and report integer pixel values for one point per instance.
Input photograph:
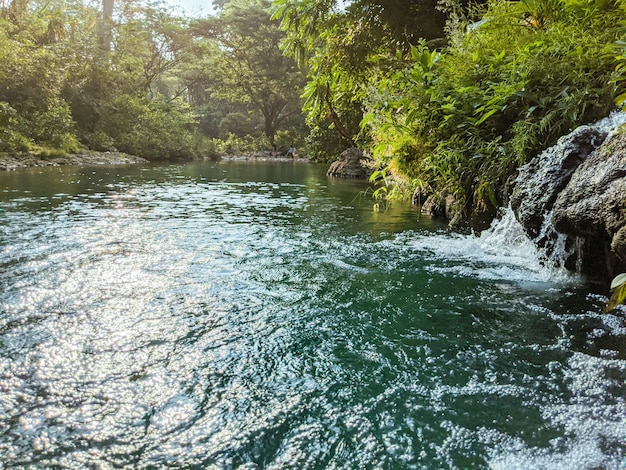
(242, 315)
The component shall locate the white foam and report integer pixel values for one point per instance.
(590, 418)
(612, 122)
(503, 252)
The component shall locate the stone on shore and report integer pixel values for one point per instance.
(352, 163)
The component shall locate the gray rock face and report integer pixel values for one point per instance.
(540, 181)
(572, 199)
(592, 207)
(350, 165)
(444, 205)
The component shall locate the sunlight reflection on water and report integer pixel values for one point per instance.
(224, 323)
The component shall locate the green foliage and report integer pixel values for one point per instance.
(153, 129)
(464, 118)
(51, 127)
(620, 68)
(341, 45)
(59, 86)
(11, 140)
(140, 80)
(237, 145)
(323, 144)
(250, 68)
(618, 289)
(238, 123)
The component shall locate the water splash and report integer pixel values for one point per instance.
(612, 123)
(501, 253)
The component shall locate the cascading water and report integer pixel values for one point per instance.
(541, 182)
(503, 252)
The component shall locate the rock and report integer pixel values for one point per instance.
(540, 181)
(447, 206)
(420, 196)
(618, 245)
(444, 205)
(592, 208)
(434, 205)
(350, 165)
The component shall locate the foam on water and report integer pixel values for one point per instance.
(503, 252)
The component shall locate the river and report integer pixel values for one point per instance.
(261, 315)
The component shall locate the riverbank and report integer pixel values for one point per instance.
(263, 156)
(26, 160)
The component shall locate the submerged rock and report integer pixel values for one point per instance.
(350, 165)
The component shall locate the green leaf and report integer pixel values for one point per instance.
(618, 286)
(486, 116)
(620, 100)
(618, 281)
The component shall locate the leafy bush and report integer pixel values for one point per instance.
(99, 141)
(463, 119)
(152, 129)
(53, 127)
(10, 139)
(234, 144)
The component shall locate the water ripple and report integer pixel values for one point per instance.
(209, 317)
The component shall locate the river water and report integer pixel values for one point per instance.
(262, 315)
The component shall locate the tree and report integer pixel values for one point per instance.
(61, 83)
(342, 46)
(250, 67)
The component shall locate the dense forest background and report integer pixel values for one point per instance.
(447, 96)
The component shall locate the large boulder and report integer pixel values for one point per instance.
(351, 164)
(540, 181)
(443, 205)
(592, 209)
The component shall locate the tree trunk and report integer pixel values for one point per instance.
(107, 9)
(106, 24)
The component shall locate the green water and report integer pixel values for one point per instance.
(242, 315)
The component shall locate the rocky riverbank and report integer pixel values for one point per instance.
(571, 199)
(350, 164)
(25, 160)
(263, 156)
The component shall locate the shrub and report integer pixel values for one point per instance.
(10, 139)
(463, 119)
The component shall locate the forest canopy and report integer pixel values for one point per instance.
(129, 76)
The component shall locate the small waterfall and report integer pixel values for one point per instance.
(501, 253)
(541, 181)
(507, 238)
(553, 245)
(612, 123)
